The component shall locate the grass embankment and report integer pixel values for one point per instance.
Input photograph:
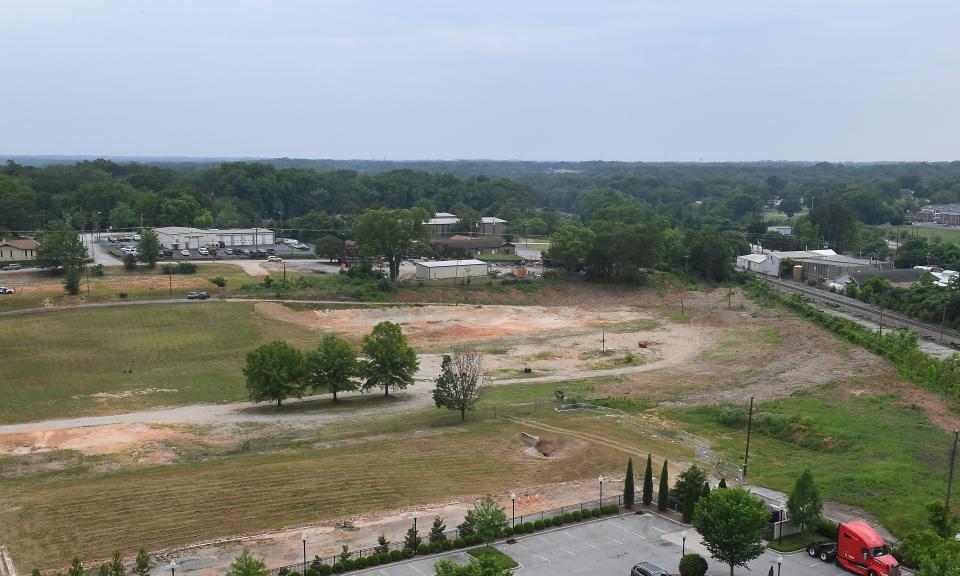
(100, 360)
(39, 288)
(873, 450)
(48, 516)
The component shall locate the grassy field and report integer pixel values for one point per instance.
(49, 516)
(908, 231)
(502, 560)
(875, 451)
(133, 357)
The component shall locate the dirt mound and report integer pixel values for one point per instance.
(108, 439)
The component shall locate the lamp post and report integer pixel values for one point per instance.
(98, 226)
(779, 562)
(601, 490)
(513, 508)
(683, 543)
(415, 515)
(303, 538)
(173, 568)
(780, 518)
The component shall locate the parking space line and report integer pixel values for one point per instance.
(544, 557)
(659, 530)
(568, 552)
(567, 532)
(628, 531)
(619, 543)
(591, 545)
(420, 572)
(520, 544)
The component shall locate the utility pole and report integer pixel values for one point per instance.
(953, 457)
(603, 342)
(943, 320)
(881, 322)
(746, 456)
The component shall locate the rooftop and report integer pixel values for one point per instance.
(449, 263)
(22, 244)
(188, 230)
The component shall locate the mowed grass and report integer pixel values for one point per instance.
(929, 232)
(48, 517)
(134, 357)
(878, 452)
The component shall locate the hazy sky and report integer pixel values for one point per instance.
(537, 80)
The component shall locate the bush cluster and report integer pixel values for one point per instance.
(179, 268)
(567, 517)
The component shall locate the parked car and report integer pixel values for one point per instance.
(291, 241)
(203, 251)
(5, 290)
(648, 569)
(136, 237)
(228, 250)
(10, 267)
(184, 252)
(271, 251)
(245, 251)
(197, 295)
(274, 259)
(301, 247)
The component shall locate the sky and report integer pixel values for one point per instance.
(666, 80)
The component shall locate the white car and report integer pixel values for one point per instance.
(204, 252)
(184, 252)
(5, 290)
(136, 237)
(274, 259)
(291, 241)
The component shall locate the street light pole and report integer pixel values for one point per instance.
(173, 568)
(415, 521)
(780, 536)
(303, 537)
(683, 543)
(779, 562)
(513, 508)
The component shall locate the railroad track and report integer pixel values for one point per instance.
(885, 317)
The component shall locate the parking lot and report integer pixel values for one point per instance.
(226, 253)
(610, 547)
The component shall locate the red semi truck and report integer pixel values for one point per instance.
(859, 549)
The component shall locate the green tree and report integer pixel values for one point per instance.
(733, 524)
(711, 254)
(939, 518)
(59, 247)
(804, 502)
(76, 568)
(390, 233)
(203, 220)
(413, 539)
(648, 482)
(723, 483)
(687, 489)
(247, 565)
(462, 378)
(130, 261)
(628, 489)
(570, 244)
(331, 248)
(391, 362)
(437, 530)
(706, 490)
(332, 367)
(148, 248)
(484, 566)
(122, 216)
(942, 564)
(383, 545)
(693, 565)
(663, 493)
(71, 280)
(489, 520)
(274, 371)
(116, 565)
(344, 553)
(142, 566)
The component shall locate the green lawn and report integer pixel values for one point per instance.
(792, 542)
(908, 231)
(100, 360)
(503, 560)
(878, 452)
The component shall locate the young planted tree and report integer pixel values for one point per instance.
(274, 371)
(687, 489)
(462, 377)
(344, 553)
(804, 502)
(732, 523)
(76, 568)
(247, 565)
(59, 247)
(690, 497)
(383, 545)
(71, 280)
(437, 530)
(628, 490)
(116, 565)
(706, 490)
(723, 483)
(663, 492)
(129, 262)
(489, 519)
(648, 482)
(148, 248)
(413, 539)
(104, 570)
(391, 362)
(142, 566)
(332, 367)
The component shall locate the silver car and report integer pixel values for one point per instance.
(648, 569)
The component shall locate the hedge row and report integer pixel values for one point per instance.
(527, 527)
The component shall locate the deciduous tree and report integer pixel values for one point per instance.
(733, 524)
(489, 519)
(570, 244)
(330, 247)
(59, 247)
(390, 361)
(332, 367)
(462, 377)
(247, 565)
(390, 233)
(274, 371)
(804, 502)
(148, 248)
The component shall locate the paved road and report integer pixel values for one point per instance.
(611, 546)
(100, 254)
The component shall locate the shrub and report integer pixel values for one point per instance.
(577, 516)
(361, 562)
(372, 560)
(693, 565)
(446, 545)
(423, 549)
(384, 558)
(538, 525)
(474, 539)
(557, 520)
(186, 268)
(611, 509)
(568, 517)
(396, 555)
(459, 543)
(283, 571)
(827, 529)
(325, 570)
(407, 553)
(338, 568)
(98, 270)
(596, 512)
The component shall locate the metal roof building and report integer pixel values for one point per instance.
(451, 269)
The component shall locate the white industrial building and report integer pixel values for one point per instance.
(451, 269)
(178, 237)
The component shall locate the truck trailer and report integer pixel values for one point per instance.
(858, 549)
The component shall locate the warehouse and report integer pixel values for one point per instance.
(178, 237)
(451, 269)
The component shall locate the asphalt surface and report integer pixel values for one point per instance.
(611, 546)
